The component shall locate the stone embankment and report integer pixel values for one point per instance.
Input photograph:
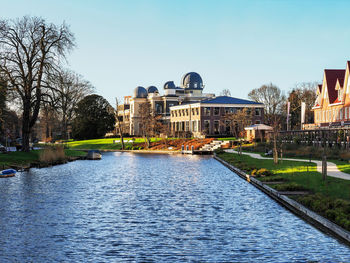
(300, 210)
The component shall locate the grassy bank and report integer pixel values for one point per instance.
(24, 158)
(340, 157)
(330, 198)
(106, 144)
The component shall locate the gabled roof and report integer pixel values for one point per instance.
(319, 89)
(229, 100)
(332, 75)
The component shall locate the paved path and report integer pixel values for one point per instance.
(332, 169)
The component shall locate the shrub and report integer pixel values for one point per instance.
(264, 172)
(52, 154)
(289, 187)
(345, 156)
(273, 179)
(331, 214)
(254, 173)
(219, 151)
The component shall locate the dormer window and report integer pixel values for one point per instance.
(195, 85)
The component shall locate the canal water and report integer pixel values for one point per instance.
(150, 208)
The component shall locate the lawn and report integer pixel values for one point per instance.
(24, 158)
(342, 165)
(104, 144)
(330, 198)
(301, 173)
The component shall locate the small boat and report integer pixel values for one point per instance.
(94, 155)
(7, 173)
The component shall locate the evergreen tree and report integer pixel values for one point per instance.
(94, 118)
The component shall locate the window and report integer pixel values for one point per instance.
(207, 111)
(186, 112)
(227, 127)
(187, 126)
(257, 122)
(257, 112)
(159, 108)
(192, 111)
(230, 110)
(340, 114)
(197, 111)
(206, 126)
(194, 126)
(195, 85)
(216, 127)
(345, 113)
(216, 111)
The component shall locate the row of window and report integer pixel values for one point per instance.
(192, 126)
(208, 111)
(184, 112)
(333, 115)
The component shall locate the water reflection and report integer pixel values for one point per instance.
(130, 207)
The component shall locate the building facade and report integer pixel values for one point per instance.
(207, 117)
(185, 108)
(332, 106)
(190, 90)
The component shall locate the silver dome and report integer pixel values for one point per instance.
(169, 85)
(140, 92)
(152, 89)
(192, 80)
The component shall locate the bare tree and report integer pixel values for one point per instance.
(67, 89)
(119, 123)
(237, 121)
(225, 92)
(302, 92)
(31, 48)
(149, 122)
(273, 100)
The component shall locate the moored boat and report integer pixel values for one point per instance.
(7, 173)
(94, 155)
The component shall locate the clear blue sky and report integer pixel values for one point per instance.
(238, 45)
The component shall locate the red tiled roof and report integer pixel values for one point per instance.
(332, 75)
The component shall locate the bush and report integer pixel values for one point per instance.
(52, 154)
(219, 151)
(289, 187)
(264, 172)
(273, 179)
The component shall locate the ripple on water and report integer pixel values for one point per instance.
(150, 208)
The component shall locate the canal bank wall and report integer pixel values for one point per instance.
(298, 209)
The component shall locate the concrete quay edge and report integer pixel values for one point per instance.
(311, 217)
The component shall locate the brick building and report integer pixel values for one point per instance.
(207, 117)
